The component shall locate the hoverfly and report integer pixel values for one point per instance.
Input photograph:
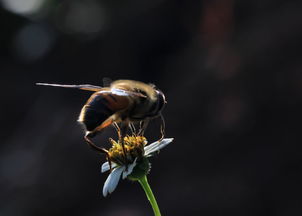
(124, 102)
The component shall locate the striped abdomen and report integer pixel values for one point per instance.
(99, 108)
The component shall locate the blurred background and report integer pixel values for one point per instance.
(231, 72)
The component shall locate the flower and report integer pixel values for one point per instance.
(132, 165)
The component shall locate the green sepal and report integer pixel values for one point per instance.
(141, 169)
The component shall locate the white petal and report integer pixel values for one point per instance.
(105, 166)
(149, 149)
(112, 180)
(130, 169)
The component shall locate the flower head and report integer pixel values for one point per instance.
(134, 164)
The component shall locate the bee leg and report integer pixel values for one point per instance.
(118, 130)
(123, 132)
(162, 127)
(132, 128)
(142, 127)
(88, 140)
(109, 161)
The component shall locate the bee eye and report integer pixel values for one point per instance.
(161, 100)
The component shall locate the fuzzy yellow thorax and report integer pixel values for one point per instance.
(134, 148)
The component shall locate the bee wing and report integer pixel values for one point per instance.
(86, 87)
(121, 92)
(115, 91)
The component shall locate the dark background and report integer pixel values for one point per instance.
(231, 72)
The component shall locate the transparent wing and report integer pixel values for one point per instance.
(86, 87)
(121, 92)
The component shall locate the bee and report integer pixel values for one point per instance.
(123, 102)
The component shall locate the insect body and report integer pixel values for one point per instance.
(124, 102)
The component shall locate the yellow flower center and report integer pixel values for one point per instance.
(134, 148)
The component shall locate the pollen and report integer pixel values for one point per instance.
(134, 148)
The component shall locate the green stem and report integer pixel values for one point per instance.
(144, 183)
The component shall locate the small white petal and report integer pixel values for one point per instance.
(112, 180)
(129, 170)
(149, 149)
(106, 167)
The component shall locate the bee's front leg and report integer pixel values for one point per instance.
(132, 128)
(162, 127)
(142, 127)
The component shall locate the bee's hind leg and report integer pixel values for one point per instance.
(88, 140)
